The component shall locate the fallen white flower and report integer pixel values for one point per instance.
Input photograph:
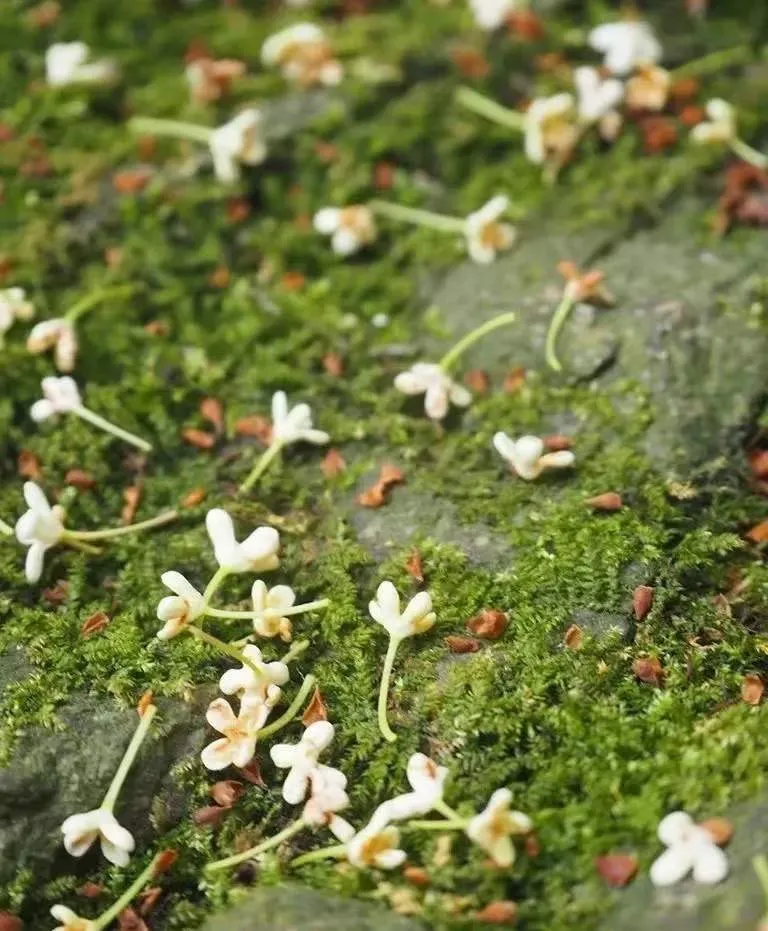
(485, 235)
(303, 54)
(60, 396)
(350, 228)
(328, 796)
(625, 45)
(238, 142)
(240, 732)
(301, 759)
(257, 553)
(417, 617)
(295, 424)
(257, 683)
(81, 831)
(177, 610)
(427, 780)
(494, 827)
(690, 849)
(526, 455)
(550, 128)
(39, 528)
(721, 126)
(67, 63)
(71, 921)
(57, 334)
(597, 97)
(376, 846)
(13, 306)
(270, 604)
(491, 14)
(437, 386)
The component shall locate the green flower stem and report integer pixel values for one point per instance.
(84, 547)
(270, 453)
(150, 126)
(295, 651)
(558, 319)
(306, 687)
(760, 866)
(128, 757)
(6, 528)
(449, 812)
(126, 898)
(386, 675)
(288, 612)
(472, 337)
(426, 218)
(223, 647)
(96, 297)
(716, 61)
(748, 154)
(215, 584)
(436, 825)
(275, 841)
(491, 110)
(70, 536)
(338, 852)
(84, 414)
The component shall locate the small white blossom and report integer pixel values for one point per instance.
(597, 97)
(527, 458)
(238, 142)
(377, 847)
(257, 553)
(301, 759)
(625, 45)
(303, 54)
(177, 610)
(81, 831)
(328, 796)
(721, 126)
(690, 849)
(60, 395)
(67, 63)
(270, 603)
(427, 780)
(649, 88)
(13, 306)
(493, 828)
(485, 235)
(294, 424)
(550, 128)
(254, 687)
(39, 528)
(437, 386)
(57, 334)
(350, 228)
(417, 617)
(70, 921)
(491, 14)
(241, 732)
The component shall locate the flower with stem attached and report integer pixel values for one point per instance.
(13, 306)
(240, 733)
(256, 682)
(721, 128)
(177, 610)
(376, 847)
(527, 458)
(433, 379)
(67, 63)
(289, 425)
(551, 130)
(492, 830)
(579, 286)
(427, 781)
(258, 552)
(82, 830)
(417, 618)
(301, 759)
(350, 228)
(61, 396)
(625, 45)
(690, 849)
(304, 55)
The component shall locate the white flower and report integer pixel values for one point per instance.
(376, 846)
(301, 759)
(238, 142)
(57, 334)
(303, 54)
(690, 849)
(649, 88)
(417, 618)
(550, 128)
(485, 235)
(81, 831)
(270, 603)
(597, 97)
(39, 528)
(350, 228)
(490, 14)
(492, 829)
(70, 921)
(527, 457)
(328, 796)
(291, 426)
(241, 732)
(721, 126)
(626, 44)
(436, 385)
(67, 63)
(177, 610)
(60, 395)
(13, 306)
(427, 780)
(260, 687)
(258, 552)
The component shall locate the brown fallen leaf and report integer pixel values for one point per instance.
(9, 922)
(252, 773)
(292, 281)
(132, 180)
(327, 152)
(383, 176)
(212, 410)
(198, 438)
(377, 494)
(758, 463)
(648, 669)
(489, 623)
(414, 566)
(642, 601)
(238, 209)
(514, 380)
(226, 792)
(752, 688)
(94, 624)
(503, 912)
(209, 816)
(44, 14)
(333, 364)
(608, 501)
(192, 498)
(148, 899)
(462, 644)
(573, 637)
(617, 869)
(532, 845)
(477, 380)
(157, 328)
(129, 920)
(470, 63)
(131, 499)
(79, 479)
(146, 700)
(28, 465)
(315, 710)
(526, 25)
(758, 533)
(91, 890)
(333, 463)
(255, 426)
(165, 860)
(659, 134)
(220, 277)
(58, 594)
(556, 442)
(719, 829)
(415, 875)
(692, 115)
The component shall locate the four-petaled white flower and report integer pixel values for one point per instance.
(690, 849)
(493, 828)
(597, 97)
(526, 455)
(39, 528)
(303, 54)
(427, 780)
(550, 128)
(648, 89)
(491, 14)
(376, 846)
(417, 617)
(255, 686)
(177, 610)
(241, 732)
(60, 395)
(257, 553)
(13, 306)
(295, 424)
(328, 796)
(301, 759)
(625, 45)
(437, 386)
(81, 831)
(269, 604)
(485, 235)
(721, 126)
(67, 63)
(70, 921)
(238, 142)
(350, 228)
(57, 334)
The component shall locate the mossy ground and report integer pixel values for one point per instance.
(592, 754)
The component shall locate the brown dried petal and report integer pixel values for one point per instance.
(220, 277)
(129, 920)
(608, 501)
(9, 922)
(79, 479)
(165, 860)
(146, 700)
(642, 601)
(390, 475)
(28, 465)
(489, 623)
(226, 792)
(252, 773)
(752, 688)
(198, 438)
(333, 464)
(477, 380)
(132, 180)
(557, 442)
(617, 869)
(58, 594)
(514, 380)
(573, 637)
(414, 566)
(383, 176)
(211, 409)
(470, 63)
(157, 328)
(315, 710)
(210, 816)
(131, 497)
(333, 364)
(148, 899)
(532, 845)
(94, 624)
(415, 875)
(503, 912)
(719, 829)
(758, 533)
(648, 669)
(90, 890)
(462, 644)
(192, 498)
(255, 426)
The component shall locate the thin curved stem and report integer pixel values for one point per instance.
(165, 518)
(749, 154)
(287, 612)
(261, 466)
(713, 62)
(96, 297)
(174, 128)
(386, 676)
(214, 585)
(223, 647)
(760, 866)
(472, 337)
(275, 841)
(426, 218)
(128, 757)
(337, 851)
(296, 649)
(449, 812)
(484, 106)
(98, 421)
(127, 897)
(83, 547)
(558, 319)
(436, 825)
(306, 687)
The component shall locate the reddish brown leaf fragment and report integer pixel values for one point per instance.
(94, 624)
(414, 566)
(477, 380)
(131, 499)
(148, 899)
(462, 644)
(573, 637)
(315, 710)
(642, 601)
(28, 465)
(226, 792)
(209, 816)
(252, 773)
(648, 669)
(502, 912)
(145, 702)
(255, 426)
(90, 890)
(333, 464)
(489, 623)
(198, 438)
(165, 860)
(514, 380)
(758, 533)
(719, 829)
(415, 875)
(212, 410)
(129, 920)
(608, 501)
(752, 688)
(194, 497)
(79, 479)
(617, 869)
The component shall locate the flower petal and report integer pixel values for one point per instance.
(710, 864)
(220, 715)
(672, 865)
(674, 828)
(217, 755)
